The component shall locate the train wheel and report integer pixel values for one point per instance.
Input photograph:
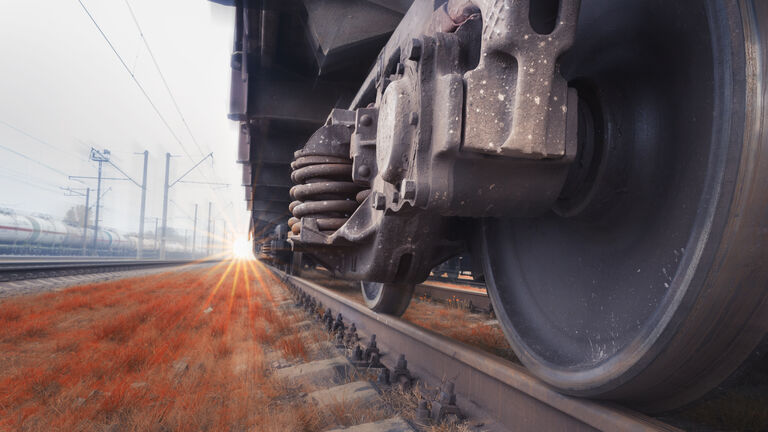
(387, 298)
(647, 283)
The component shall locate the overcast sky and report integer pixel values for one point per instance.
(61, 83)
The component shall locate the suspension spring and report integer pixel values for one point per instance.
(324, 191)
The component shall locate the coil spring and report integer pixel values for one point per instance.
(324, 191)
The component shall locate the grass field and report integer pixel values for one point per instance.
(184, 350)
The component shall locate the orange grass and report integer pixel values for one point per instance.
(459, 324)
(141, 354)
(293, 347)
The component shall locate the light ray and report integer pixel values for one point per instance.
(238, 266)
(248, 295)
(260, 279)
(211, 270)
(218, 284)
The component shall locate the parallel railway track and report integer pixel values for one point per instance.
(15, 270)
(486, 386)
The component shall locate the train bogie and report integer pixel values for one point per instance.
(604, 161)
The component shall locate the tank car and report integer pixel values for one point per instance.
(46, 235)
(74, 238)
(605, 162)
(14, 228)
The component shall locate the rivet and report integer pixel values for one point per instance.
(363, 171)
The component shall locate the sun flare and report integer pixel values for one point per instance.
(241, 249)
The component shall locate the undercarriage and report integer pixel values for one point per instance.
(603, 162)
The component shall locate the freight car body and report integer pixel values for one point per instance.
(30, 234)
(605, 162)
(22, 234)
(15, 229)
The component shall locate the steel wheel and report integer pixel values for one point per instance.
(647, 283)
(387, 298)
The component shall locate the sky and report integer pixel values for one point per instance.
(63, 90)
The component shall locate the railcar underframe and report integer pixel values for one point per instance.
(603, 161)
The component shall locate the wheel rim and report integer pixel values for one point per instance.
(387, 298)
(593, 295)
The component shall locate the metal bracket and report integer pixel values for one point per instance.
(518, 104)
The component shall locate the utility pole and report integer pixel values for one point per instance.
(85, 219)
(165, 205)
(104, 156)
(169, 185)
(99, 157)
(87, 195)
(194, 231)
(140, 245)
(208, 239)
(213, 237)
(225, 234)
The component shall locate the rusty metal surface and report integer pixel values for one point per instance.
(486, 385)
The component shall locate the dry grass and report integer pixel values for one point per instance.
(141, 354)
(405, 403)
(477, 330)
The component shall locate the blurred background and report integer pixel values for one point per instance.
(89, 86)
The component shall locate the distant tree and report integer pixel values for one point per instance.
(76, 214)
(174, 235)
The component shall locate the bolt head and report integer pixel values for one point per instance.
(366, 120)
(408, 189)
(363, 171)
(379, 201)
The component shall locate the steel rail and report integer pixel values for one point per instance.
(485, 385)
(15, 271)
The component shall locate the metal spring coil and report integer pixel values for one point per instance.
(324, 191)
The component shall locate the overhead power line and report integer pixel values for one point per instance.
(208, 181)
(17, 179)
(162, 77)
(34, 138)
(133, 77)
(173, 99)
(31, 159)
(143, 91)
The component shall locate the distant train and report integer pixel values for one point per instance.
(44, 235)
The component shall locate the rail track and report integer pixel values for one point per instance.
(15, 270)
(472, 299)
(486, 387)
